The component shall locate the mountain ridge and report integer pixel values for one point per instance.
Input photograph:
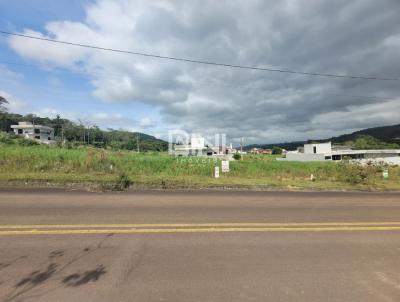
(387, 134)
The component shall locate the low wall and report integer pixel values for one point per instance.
(303, 157)
(387, 160)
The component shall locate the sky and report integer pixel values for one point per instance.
(124, 91)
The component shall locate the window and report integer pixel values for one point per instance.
(19, 131)
(315, 149)
(37, 131)
(48, 138)
(327, 157)
(37, 136)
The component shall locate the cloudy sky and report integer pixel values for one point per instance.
(155, 95)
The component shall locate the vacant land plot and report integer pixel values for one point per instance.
(113, 169)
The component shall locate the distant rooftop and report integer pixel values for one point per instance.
(24, 125)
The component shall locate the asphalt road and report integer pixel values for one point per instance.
(199, 246)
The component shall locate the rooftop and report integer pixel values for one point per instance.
(27, 125)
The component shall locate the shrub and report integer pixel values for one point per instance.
(123, 182)
(27, 142)
(6, 138)
(276, 150)
(237, 156)
(355, 173)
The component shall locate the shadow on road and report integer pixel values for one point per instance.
(4, 265)
(86, 277)
(30, 286)
(38, 277)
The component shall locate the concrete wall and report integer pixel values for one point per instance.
(304, 157)
(395, 160)
(43, 135)
(197, 142)
(320, 148)
(380, 155)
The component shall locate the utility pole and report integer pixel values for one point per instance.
(86, 125)
(241, 148)
(83, 128)
(62, 135)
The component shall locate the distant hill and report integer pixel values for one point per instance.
(387, 134)
(286, 145)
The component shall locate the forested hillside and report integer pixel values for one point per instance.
(79, 133)
(370, 138)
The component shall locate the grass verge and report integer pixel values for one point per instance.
(111, 170)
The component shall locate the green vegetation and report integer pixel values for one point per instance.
(237, 156)
(387, 134)
(116, 170)
(380, 137)
(70, 134)
(364, 142)
(3, 103)
(276, 150)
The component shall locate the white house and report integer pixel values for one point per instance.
(42, 134)
(318, 148)
(325, 151)
(198, 147)
(195, 148)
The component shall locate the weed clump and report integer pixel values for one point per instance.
(24, 142)
(122, 183)
(354, 173)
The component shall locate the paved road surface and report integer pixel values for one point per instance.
(199, 246)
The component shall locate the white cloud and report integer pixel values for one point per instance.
(360, 116)
(9, 75)
(112, 120)
(323, 36)
(46, 52)
(147, 123)
(14, 105)
(101, 119)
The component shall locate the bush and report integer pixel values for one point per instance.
(27, 142)
(355, 173)
(6, 138)
(98, 144)
(123, 182)
(276, 150)
(237, 156)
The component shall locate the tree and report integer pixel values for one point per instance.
(87, 133)
(57, 125)
(3, 102)
(276, 150)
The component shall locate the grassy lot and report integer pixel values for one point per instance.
(115, 170)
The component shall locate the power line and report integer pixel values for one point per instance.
(118, 76)
(365, 97)
(201, 61)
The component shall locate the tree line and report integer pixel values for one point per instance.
(69, 133)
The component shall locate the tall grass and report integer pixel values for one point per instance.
(95, 165)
